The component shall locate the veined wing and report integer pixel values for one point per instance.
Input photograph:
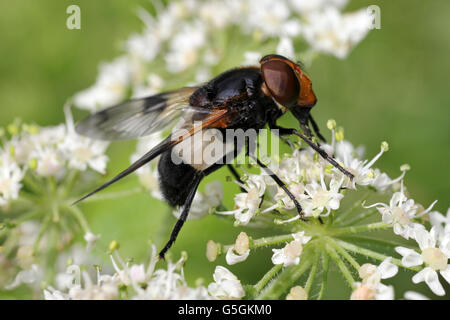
(139, 117)
(215, 119)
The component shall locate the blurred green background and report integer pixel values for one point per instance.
(393, 87)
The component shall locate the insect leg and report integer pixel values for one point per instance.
(316, 129)
(236, 175)
(319, 150)
(281, 185)
(187, 206)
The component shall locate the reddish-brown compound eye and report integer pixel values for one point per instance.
(280, 79)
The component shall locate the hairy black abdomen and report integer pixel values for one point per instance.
(174, 179)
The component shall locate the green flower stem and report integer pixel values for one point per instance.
(342, 216)
(360, 217)
(361, 228)
(270, 241)
(341, 265)
(70, 182)
(80, 218)
(112, 195)
(375, 241)
(44, 227)
(344, 253)
(312, 273)
(285, 279)
(264, 242)
(372, 254)
(266, 278)
(30, 183)
(325, 267)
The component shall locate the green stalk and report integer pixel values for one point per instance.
(344, 253)
(266, 278)
(373, 254)
(326, 266)
(285, 279)
(342, 216)
(361, 228)
(341, 265)
(312, 273)
(360, 217)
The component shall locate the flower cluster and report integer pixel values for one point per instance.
(42, 171)
(334, 231)
(137, 282)
(350, 223)
(194, 39)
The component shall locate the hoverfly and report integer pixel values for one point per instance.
(241, 98)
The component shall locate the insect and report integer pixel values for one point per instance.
(241, 98)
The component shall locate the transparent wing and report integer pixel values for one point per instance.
(140, 117)
(216, 118)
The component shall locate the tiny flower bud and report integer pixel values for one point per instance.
(184, 256)
(316, 157)
(199, 282)
(297, 293)
(212, 251)
(329, 168)
(242, 243)
(339, 134)
(114, 245)
(384, 146)
(13, 129)
(331, 124)
(293, 249)
(366, 270)
(12, 151)
(371, 174)
(405, 167)
(33, 163)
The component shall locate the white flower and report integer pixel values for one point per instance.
(184, 46)
(110, 87)
(218, 14)
(440, 222)
(91, 239)
(49, 162)
(434, 256)
(412, 295)
(10, 177)
(267, 16)
(144, 46)
(30, 276)
(401, 213)
(330, 31)
(233, 258)
(226, 285)
(286, 48)
(290, 254)
(318, 197)
(247, 204)
(315, 5)
(82, 152)
(371, 286)
(251, 58)
(240, 251)
(142, 283)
